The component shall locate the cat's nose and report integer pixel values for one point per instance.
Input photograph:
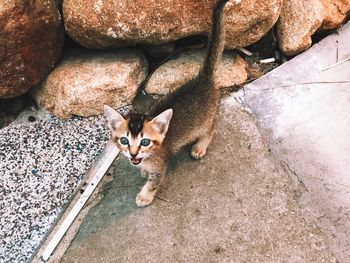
(133, 155)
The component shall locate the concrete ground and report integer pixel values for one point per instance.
(303, 112)
(232, 206)
(271, 190)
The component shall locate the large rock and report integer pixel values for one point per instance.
(299, 19)
(31, 41)
(84, 81)
(335, 13)
(176, 72)
(109, 23)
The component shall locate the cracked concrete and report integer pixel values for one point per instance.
(297, 184)
(303, 112)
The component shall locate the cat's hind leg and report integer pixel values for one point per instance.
(199, 149)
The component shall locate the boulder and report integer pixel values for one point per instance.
(86, 80)
(103, 24)
(335, 13)
(31, 41)
(176, 72)
(299, 19)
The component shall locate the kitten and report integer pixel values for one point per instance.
(184, 117)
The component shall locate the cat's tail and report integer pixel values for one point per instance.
(216, 42)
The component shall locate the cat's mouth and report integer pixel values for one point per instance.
(135, 161)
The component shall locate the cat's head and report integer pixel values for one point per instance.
(136, 135)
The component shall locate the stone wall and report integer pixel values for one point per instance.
(32, 37)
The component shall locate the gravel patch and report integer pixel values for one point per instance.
(41, 165)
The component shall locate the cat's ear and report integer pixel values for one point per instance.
(114, 118)
(161, 122)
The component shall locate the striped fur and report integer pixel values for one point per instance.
(184, 117)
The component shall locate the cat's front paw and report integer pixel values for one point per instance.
(198, 152)
(144, 198)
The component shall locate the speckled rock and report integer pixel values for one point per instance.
(335, 13)
(299, 19)
(176, 72)
(41, 165)
(84, 81)
(109, 23)
(31, 41)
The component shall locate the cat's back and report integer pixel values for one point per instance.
(194, 106)
(191, 99)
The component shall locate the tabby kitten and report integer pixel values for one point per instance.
(184, 117)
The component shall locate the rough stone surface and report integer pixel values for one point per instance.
(307, 126)
(335, 13)
(84, 81)
(297, 22)
(100, 24)
(41, 165)
(31, 40)
(232, 206)
(176, 72)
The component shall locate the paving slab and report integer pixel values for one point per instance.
(232, 206)
(304, 113)
(41, 165)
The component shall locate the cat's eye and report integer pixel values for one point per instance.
(145, 142)
(124, 140)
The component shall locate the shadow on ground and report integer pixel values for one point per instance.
(232, 206)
